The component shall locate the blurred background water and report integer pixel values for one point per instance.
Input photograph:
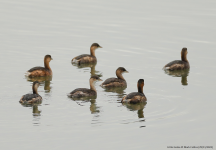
(141, 36)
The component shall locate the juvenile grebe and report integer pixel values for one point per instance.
(136, 97)
(179, 64)
(32, 98)
(116, 82)
(41, 71)
(85, 58)
(83, 92)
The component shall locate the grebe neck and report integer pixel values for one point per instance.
(92, 51)
(119, 75)
(184, 57)
(46, 65)
(140, 88)
(34, 89)
(92, 87)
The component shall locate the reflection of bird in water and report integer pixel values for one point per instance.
(91, 66)
(179, 73)
(139, 107)
(35, 110)
(43, 80)
(93, 107)
(119, 90)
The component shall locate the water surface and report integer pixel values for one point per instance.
(141, 36)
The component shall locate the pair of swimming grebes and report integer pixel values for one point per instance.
(135, 97)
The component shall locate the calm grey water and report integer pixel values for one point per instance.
(141, 36)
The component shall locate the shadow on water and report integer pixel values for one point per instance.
(45, 81)
(136, 107)
(89, 65)
(179, 73)
(94, 109)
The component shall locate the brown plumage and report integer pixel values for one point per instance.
(86, 58)
(41, 71)
(84, 92)
(136, 97)
(116, 82)
(179, 64)
(32, 98)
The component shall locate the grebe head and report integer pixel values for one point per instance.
(121, 70)
(184, 50)
(95, 46)
(140, 85)
(35, 86)
(184, 53)
(96, 78)
(48, 58)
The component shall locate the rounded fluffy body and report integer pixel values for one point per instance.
(32, 98)
(41, 71)
(84, 92)
(179, 64)
(116, 82)
(86, 58)
(136, 97)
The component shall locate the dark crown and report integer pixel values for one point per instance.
(95, 44)
(122, 69)
(95, 77)
(140, 81)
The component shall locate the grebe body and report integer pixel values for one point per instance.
(32, 98)
(136, 97)
(116, 82)
(86, 58)
(179, 64)
(84, 92)
(41, 71)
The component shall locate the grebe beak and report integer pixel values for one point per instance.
(100, 80)
(100, 47)
(51, 58)
(126, 72)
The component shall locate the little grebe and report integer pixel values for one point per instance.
(32, 98)
(86, 58)
(41, 71)
(136, 97)
(84, 92)
(116, 82)
(179, 64)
